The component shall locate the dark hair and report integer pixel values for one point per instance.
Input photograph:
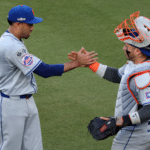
(10, 22)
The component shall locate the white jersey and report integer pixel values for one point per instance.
(16, 67)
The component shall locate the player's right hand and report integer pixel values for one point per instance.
(73, 55)
(85, 58)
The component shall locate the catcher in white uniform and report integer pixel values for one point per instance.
(19, 119)
(131, 121)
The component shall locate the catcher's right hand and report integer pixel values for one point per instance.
(89, 57)
(73, 55)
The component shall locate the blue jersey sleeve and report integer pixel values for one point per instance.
(48, 70)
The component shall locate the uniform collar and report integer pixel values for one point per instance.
(10, 34)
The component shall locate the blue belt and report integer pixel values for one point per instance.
(27, 96)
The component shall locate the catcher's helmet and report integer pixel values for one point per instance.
(135, 31)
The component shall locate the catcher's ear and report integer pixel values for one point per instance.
(104, 118)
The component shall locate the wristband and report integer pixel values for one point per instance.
(94, 67)
(98, 68)
(126, 120)
(135, 118)
(123, 121)
(101, 70)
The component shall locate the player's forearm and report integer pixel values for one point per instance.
(111, 74)
(140, 116)
(71, 65)
(108, 73)
(137, 117)
(48, 70)
(144, 113)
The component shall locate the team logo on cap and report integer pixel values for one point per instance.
(21, 19)
(33, 11)
(27, 60)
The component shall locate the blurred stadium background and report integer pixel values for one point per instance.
(67, 104)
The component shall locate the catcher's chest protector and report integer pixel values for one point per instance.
(127, 100)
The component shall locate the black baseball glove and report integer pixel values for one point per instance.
(101, 129)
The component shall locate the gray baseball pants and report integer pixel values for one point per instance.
(133, 138)
(19, 124)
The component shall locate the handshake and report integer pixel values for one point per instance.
(83, 57)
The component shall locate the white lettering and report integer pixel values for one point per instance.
(21, 19)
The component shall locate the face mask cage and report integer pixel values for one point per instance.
(127, 30)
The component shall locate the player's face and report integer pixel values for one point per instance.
(129, 52)
(26, 30)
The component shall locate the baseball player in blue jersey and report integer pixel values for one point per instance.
(132, 111)
(19, 119)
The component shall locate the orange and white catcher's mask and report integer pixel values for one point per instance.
(135, 31)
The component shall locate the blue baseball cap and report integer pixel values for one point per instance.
(23, 14)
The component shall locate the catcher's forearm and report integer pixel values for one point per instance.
(111, 74)
(135, 118)
(108, 73)
(144, 113)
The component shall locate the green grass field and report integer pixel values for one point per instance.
(66, 104)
